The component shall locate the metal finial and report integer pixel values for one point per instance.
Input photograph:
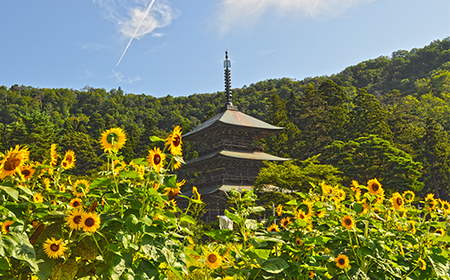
(227, 66)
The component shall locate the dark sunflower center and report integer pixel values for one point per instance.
(7, 228)
(348, 221)
(54, 247)
(375, 187)
(212, 258)
(11, 163)
(341, 261)
(112, 137)
(69, 158)
(176, 141)
(76, 204)
(399, 201)
(26, 172)
(299, 242)
(89, 222)
(439, 232)
(64, 163)
(157, 159)
(77, 219)
(286, 223)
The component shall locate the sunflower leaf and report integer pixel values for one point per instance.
(11, 192)
(156, 139)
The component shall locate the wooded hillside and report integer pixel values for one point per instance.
(387, 117)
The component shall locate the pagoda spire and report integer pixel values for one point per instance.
(227, 66)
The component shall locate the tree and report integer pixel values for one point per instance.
(297, 175)
(367, 117)
(34, 129)
(434, 153)
(371, 157)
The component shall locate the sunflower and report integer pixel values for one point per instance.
(69, 160)
(38, 198)
(113, 139)
(374, 187)
(348, 222)
(412, 227)
(285, 222)
(409, 196)
(27, 171)
(421, 264)
(74, 218)
(440, 231)
(326, 189)
(301, 215)
(53, 155)
(173, 192)
(46, 183)
(54, 248)
(90, 222)
(357, 193)
(320, 214)
(311, 274)
(80, 188)
(156, 159)
(446, 207)
(273, 227)
(299, 242)
(76, 202)
(177, 165)
(174, 141)
(5, 226)
(279, 210)
(13, 162)
(62, 188)
(195, 194)
(430, 201)
(342, 261)
(340, 194)
(397, 201)
(213, 260)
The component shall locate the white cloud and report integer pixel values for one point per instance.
(128, 16)
(122, 79)
(160, 15)
(247, 12)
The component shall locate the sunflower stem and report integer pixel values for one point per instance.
(99, 249)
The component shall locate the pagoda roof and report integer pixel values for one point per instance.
(260, 156)
(232, 117)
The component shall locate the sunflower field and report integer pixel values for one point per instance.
(125, 224)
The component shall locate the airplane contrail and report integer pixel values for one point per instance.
(136, 31)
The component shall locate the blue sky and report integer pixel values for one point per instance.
(177, 47)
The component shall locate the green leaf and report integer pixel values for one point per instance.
(156, 139)
(292, 202)
(187, 218)
(251, 224)
(146, 270)
(223, 235)
(132, 223)
(11, 192)
(100, 182)
(17, 245)
(256, 209)
(129, 174)
(274, 265)
(4, 264)
(25, 190)
(235, 218)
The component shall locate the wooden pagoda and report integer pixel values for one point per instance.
(227, 156)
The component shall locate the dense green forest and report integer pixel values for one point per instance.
(387, 117)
